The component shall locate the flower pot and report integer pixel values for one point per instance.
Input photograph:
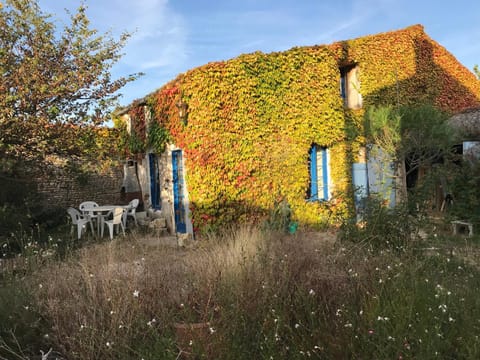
(192, 338)
(292, 227)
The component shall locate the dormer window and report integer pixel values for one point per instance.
(350, 87)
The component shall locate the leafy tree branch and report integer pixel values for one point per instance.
(54, 81)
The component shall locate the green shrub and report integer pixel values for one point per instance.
(464, 182)
(382, 227)
(280, 217)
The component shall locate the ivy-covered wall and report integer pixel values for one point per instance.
(408, 67)
(252, 119)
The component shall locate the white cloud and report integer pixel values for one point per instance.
(159, 34)
(172, 36)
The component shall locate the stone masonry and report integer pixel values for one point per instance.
(61, 188)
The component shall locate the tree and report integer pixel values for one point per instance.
(476, 70)
(411, 136)
(53, 81)
(420, 133)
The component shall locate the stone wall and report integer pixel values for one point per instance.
(59, 187)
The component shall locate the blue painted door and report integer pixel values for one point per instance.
(154, 181)
(178, 192)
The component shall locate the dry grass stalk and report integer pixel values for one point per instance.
(110, 293)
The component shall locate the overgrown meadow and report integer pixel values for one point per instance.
(248, 293)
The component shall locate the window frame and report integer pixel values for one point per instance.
(319, 186)
(350, 87)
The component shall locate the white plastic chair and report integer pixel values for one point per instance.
(80, 220)
(131, 211)
(117, 219)
(91, 215)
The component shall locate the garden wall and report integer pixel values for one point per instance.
(60, 187)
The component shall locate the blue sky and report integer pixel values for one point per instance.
(172, 36)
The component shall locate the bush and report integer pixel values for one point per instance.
(382, 227)
(464, 183)
(280, 217)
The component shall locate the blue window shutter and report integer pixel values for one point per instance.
(319, 175)
(323, 152)
(313, 173)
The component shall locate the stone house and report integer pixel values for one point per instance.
(240, 136)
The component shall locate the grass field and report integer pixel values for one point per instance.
(244, 294)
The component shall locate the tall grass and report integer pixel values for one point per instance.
(259, 295)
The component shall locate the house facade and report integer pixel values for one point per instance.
(239, 136)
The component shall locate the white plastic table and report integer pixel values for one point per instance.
(101, 211)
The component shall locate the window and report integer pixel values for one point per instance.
(350, 87)
(319, 173)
